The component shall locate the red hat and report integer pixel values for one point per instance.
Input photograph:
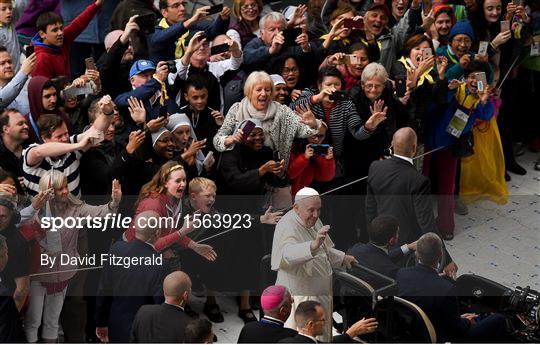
(380, 7)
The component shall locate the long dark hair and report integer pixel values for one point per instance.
(483, 30)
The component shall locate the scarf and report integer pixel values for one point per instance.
(346, 41)
(466, 100)
(426, 76)
(180, 45)
(247, 111)
(366, 43)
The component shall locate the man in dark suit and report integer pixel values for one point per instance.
(309, 318)
(10, 324)
(164, 323)
(395, 187)
(381, 254)
(276, 302)
(122, 291)
(423, 286)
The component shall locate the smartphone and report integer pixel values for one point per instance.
(483, 48)
(401, 87)
(481, 81)
(352, 24)
(146, 23)
(351, 59)
(74, 91)
(517, 2)
(426, 53)
(220, 48)
(320, 149)
(505, 25)
(215, 9)
(338, 96)
(290, 36)
(209, 156)
(29, 51)
(247, 127)
(163, 112)
(90, 63)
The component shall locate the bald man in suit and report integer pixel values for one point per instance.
(396, 188)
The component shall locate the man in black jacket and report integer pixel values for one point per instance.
(423, 286)
(164, 323)
(122, 291)
(309, 317)
(13, 132)
(395, 187)
(115, 63)
(381, 254)
(276, 302)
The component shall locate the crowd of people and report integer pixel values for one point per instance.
(228, 118)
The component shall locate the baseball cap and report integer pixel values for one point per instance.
(140, 66)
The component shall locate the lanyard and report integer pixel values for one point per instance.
(34, 126)
(451, 56)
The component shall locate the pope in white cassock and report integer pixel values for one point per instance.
(304, 256)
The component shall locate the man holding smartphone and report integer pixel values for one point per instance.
(149, 85)
(264, 52)
(168, 42)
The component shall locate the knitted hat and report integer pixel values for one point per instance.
(462, 28)
(272, 296)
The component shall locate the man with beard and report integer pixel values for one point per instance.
(12, 91)
(14, 131)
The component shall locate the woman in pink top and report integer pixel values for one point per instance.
(163, 194)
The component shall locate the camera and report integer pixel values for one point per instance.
(524, 304)
(339, 96)
(171, 65)
(320, 149)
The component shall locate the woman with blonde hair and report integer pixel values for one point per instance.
(279, 123)
(49, 284)
(163, 194)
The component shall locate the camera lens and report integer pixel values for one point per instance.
(171, 65)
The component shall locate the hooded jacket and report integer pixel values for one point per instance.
(53, 61)
(35, 92)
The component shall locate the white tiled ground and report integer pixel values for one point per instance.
(500, 242)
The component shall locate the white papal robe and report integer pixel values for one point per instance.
(308, 277)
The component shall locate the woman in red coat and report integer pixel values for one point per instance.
(163, 194)
(306, 165)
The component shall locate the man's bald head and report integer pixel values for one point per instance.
(144, 226)
(176, 287)
(111, 38)
(404, 142)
